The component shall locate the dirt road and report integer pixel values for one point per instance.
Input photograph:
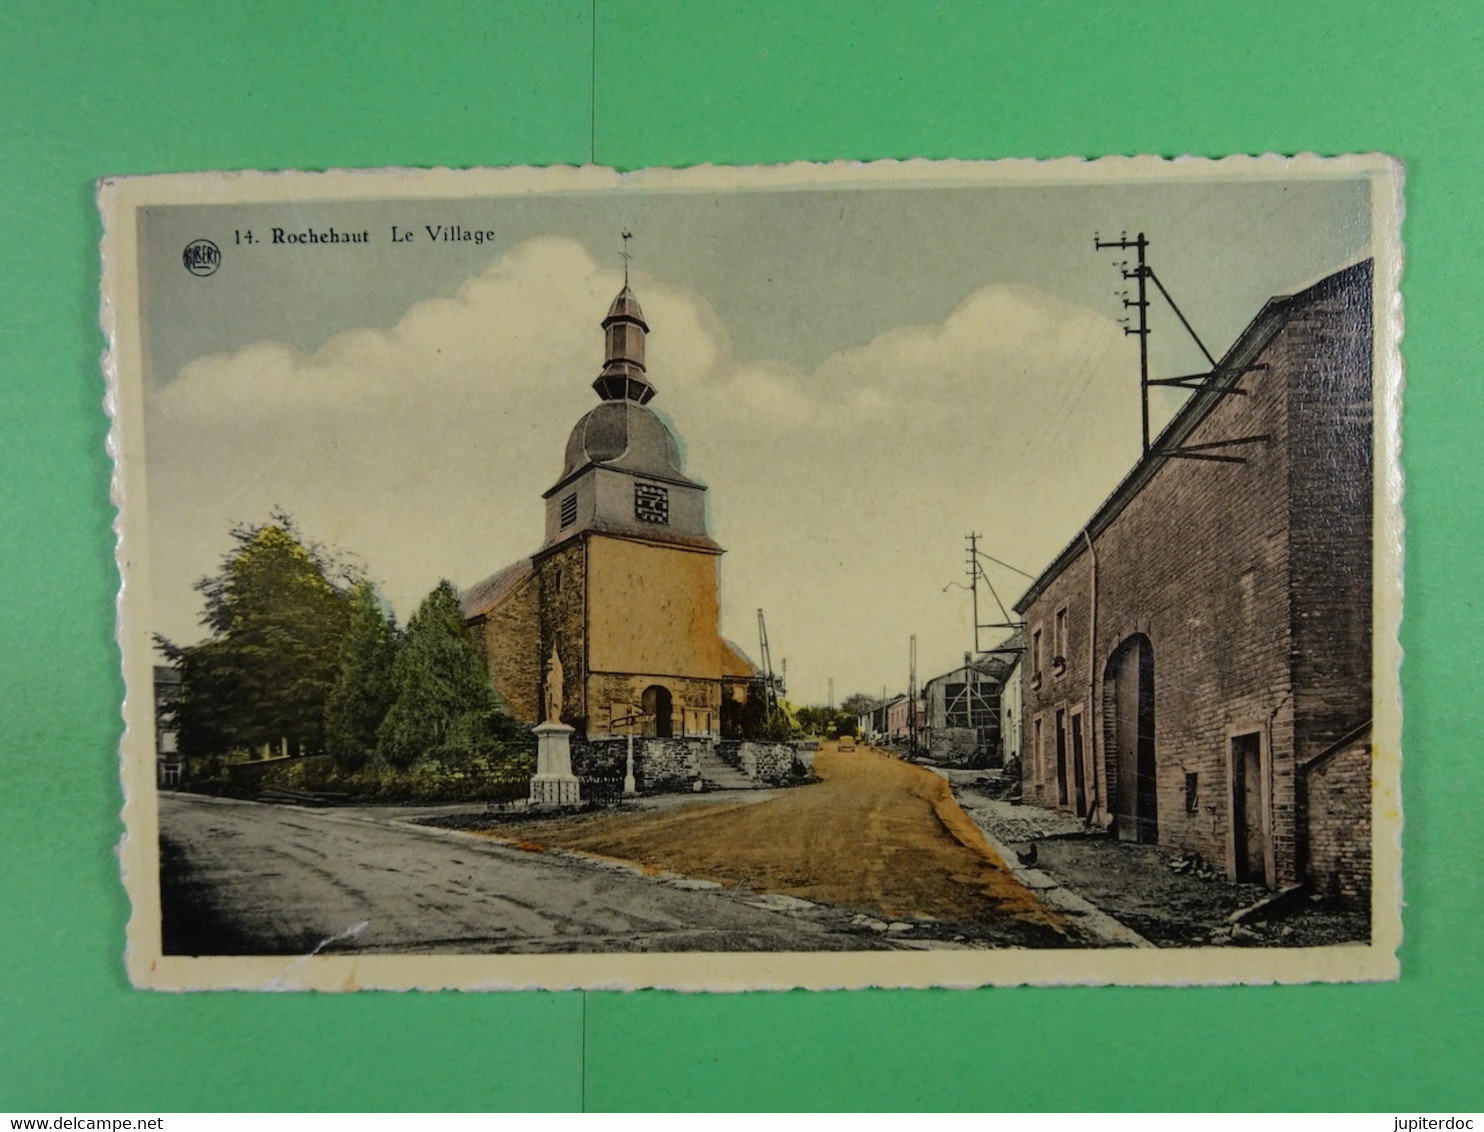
(876, 835)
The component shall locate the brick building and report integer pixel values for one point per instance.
(622, 598)
(1198, 661)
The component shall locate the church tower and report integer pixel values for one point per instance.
(624, 590)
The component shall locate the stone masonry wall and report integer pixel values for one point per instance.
(561, 576)
(507, 638)
(694, 702)
(1338, 812)
(666, 764)
(772, 763)
(660, 765)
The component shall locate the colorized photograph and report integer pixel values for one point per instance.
(826, 576)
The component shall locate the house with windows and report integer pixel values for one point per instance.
(1197, 670)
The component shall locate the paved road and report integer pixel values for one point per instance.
(251, 878)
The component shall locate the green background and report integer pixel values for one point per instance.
(88, 90)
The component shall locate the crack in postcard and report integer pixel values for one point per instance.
(905, 574)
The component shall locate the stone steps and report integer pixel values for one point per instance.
(719, 775)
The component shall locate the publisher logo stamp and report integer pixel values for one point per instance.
(201, 257)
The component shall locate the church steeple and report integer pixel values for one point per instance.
(623, 377)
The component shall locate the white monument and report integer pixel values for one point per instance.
(554, 783)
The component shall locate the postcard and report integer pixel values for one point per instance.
(904, 574)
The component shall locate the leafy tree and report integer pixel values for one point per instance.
(751, 718)
(444, 707)
(827, 721)
(363, 691)
(277, 622)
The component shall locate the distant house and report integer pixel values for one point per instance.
(1198, 664)
(900, 726)
(169, 762)
(961, 713)
(1011, 653)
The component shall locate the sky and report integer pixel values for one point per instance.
(861, 375)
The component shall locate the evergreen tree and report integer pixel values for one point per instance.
(363, 690)
(277, 622)
(444, 708)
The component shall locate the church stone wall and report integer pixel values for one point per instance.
(621, 693)
(508, 636)
(654, 609)
(562, 576)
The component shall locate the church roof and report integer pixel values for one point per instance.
(480, 598)
(735, 662)
(626, 305)
(627, 436)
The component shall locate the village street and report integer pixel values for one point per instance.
(875, 854)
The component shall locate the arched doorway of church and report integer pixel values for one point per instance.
(657, 705)
(1128, 720)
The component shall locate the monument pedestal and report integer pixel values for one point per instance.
(554, 783)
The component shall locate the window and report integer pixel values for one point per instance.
(569, 510)
(1036, 749)
(1059, 653)
(651, 503)
(1036, 658)
(1192, 792)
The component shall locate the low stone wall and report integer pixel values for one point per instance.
(804, 752)
(772, 763)
(600, 758)
(662, 765)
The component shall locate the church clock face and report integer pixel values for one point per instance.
(651, 503)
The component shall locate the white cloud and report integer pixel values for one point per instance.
(841, 494)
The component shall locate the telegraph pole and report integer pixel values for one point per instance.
(1141, 273)
(1219, 381)
(912, 697)
(973, 563)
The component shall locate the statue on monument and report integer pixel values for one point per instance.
(554, 688)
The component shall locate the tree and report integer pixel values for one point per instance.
(444, 707)
(363, 691)
(277, 622)
(827, 721)
(751, 719)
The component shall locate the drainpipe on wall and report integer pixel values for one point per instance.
(1092, 680)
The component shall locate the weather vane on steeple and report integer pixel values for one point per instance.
(627, 236)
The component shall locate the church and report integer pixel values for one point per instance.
(612, 626)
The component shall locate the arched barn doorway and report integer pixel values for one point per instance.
(1128, 720)
(657, 705)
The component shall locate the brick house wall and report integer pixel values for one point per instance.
(1250, 585)
(1336, 800)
